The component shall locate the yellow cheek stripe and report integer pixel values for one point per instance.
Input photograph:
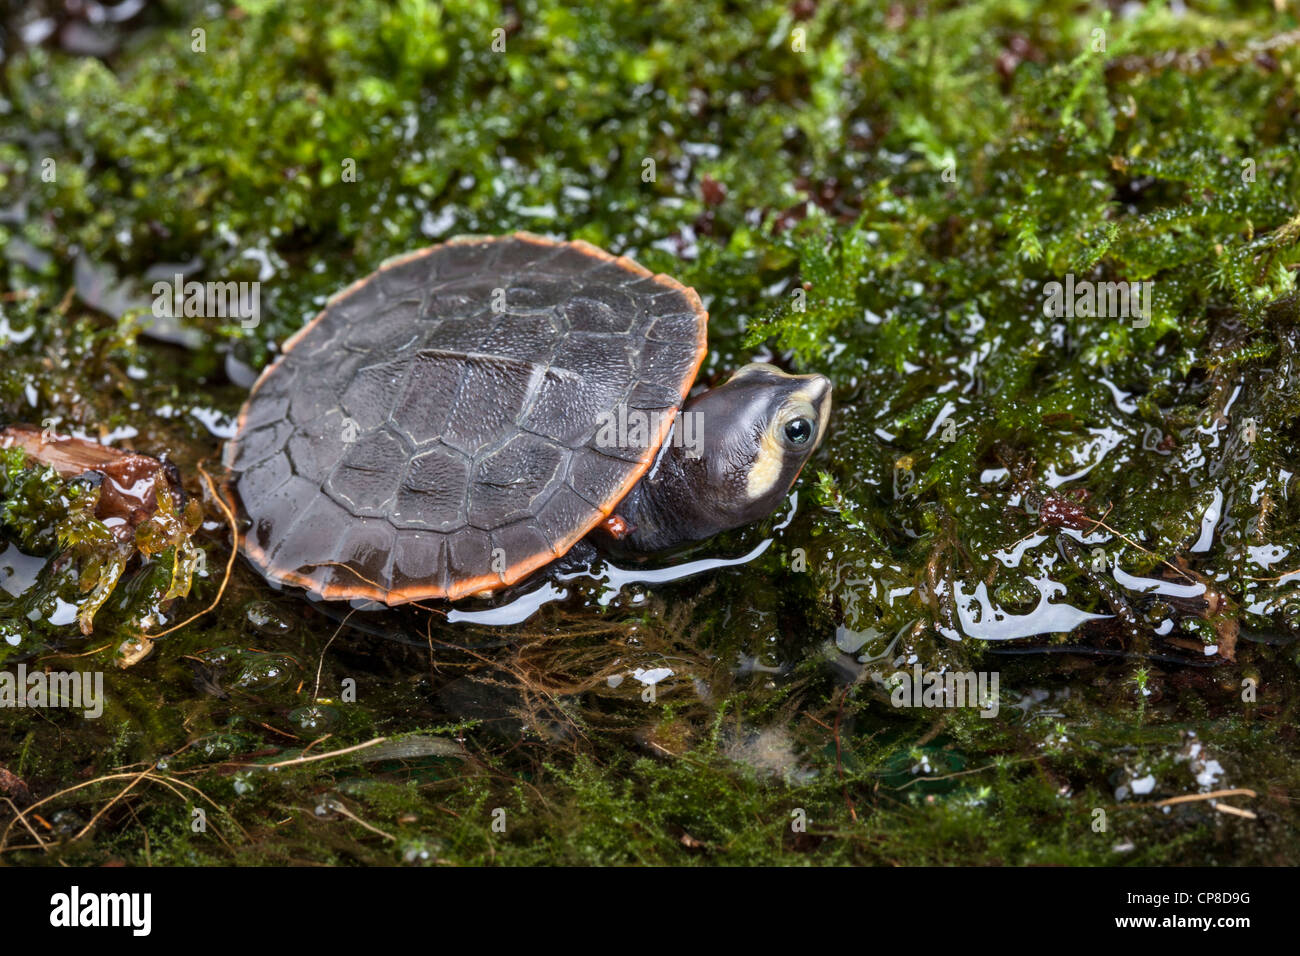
(823, 419)
(766, 470)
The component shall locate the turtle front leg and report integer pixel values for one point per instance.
(617, 527)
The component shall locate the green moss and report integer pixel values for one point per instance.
(877, 191)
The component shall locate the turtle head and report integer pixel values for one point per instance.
(754, 434)
(734, 453)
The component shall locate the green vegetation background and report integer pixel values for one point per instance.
(876, 191)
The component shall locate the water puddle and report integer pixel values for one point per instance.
(512, 612)
(1088, 456)
(613, 580)
(18, 571)
(983, 620)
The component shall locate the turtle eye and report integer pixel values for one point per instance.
(799, 430)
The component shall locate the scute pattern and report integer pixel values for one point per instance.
(432, 433)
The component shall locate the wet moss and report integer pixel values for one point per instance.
(874, 191)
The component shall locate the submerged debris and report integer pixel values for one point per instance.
(110, 507)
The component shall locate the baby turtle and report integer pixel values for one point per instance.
(469, 412)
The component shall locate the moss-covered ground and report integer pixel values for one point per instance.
(883, 192)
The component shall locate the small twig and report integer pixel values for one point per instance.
(1192, 797)
(935, 730)
(301, 760)
(820, 723)
(105, 808)
(171, 783)
(1119, 534)
(338, 807)
(230, 563)
(90, 653)
(318, 740)
(1025, 537)
(1110, 506)
(347, 567)
(18, 814)
(320, 665)
(1277, 577)
(276, 730)
(964, 773)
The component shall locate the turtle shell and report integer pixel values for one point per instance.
(433, 432)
